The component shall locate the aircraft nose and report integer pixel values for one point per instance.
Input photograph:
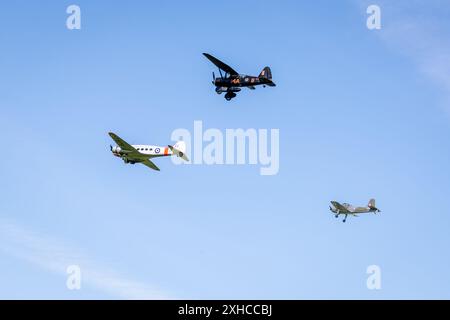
(115, 150)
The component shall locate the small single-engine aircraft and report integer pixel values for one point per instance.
(143, 153)
(231, 82)
(347, 209)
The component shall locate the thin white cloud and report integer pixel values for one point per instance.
(419, 30)
(54, 256)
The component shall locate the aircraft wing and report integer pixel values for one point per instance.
(150, 164)
(219, 64)
(122, 143)
(339, 206)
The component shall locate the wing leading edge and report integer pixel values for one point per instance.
(219, 64)
(122, 143)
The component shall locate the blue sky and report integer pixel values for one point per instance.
(361, 114)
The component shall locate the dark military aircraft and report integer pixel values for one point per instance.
(231, 81)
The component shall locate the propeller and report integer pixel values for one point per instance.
(214, 78)
(110, 147)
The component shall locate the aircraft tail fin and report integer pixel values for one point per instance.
(266, 74)
(371, 203)
(179, 149)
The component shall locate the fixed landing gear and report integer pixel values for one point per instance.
(230, 95)
(345, 219)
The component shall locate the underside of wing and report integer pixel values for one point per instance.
(219, 64)
(125, 146)
(339, 206)
(150, 164)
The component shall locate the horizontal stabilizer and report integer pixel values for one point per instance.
(179, 149)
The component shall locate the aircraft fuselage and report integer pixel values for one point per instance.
(145, 152)
(240, 81)
(353, 211)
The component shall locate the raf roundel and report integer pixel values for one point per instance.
(157, 150)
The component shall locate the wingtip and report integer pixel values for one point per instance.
(207, 55)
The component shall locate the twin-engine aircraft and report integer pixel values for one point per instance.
(347, 209)
(231, 81)
(143, 153)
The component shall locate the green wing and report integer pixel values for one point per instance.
(122, 143)
(150, 164)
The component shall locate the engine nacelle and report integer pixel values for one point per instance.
(116, 150)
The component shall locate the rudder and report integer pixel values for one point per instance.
(266, 73)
